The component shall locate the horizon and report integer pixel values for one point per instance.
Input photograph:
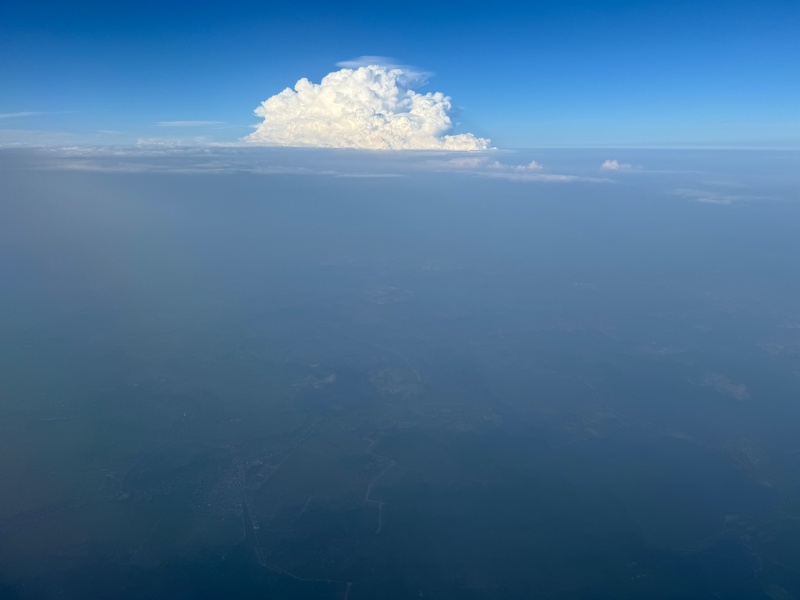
(629, 73)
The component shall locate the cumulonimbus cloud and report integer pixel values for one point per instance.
(370, 107)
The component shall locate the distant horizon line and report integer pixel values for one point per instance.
(237, 144)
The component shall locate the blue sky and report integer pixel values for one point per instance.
(523, 74)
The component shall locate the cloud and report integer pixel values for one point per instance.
(531, 172)
(726, 387)
(708, 197)
(411, 73)
(528, 177)
(531, 166)
(192, 156)
(188, 123)
(370, 107)
(614, 165)
(482, 162)
(466, 162)
(197, 140)
(24, 113)
(367, 61)
(363, 175)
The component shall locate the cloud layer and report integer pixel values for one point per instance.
(370, 107)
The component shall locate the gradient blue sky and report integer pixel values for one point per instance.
(534, 74)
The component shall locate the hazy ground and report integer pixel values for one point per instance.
(294, 374)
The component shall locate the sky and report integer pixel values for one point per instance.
(535, 74)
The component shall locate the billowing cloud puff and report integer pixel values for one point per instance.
(615, 165)
(370, 107)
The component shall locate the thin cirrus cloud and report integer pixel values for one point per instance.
(370, 106)
(482, 162)
(709, 196)
(188, 123)
(531, 172)
(23, 113)
(366, 61)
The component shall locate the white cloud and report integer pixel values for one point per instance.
(529, 177)
(366, 61)
(614, 165)
(708, 196)
(531, 166)
(24, 113)
(364, 175)
(369, 107)
(192, 156)
(466, 162)
(531, 172)
(482, 162)
(411, 73)
(197, 140)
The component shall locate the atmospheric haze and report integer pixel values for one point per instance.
(261, 372)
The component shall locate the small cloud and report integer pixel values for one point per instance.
(708, 196)
(369, 107)
(197, 155)
(172, 142)
(726, 387)
(188, 123)
(713, 200)
(540, 177)
(366, 61)
(23, 113)
(465, 162)
(531, 166)
(363, 175)
(526, 173)
(614, 165)
(411, 74)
